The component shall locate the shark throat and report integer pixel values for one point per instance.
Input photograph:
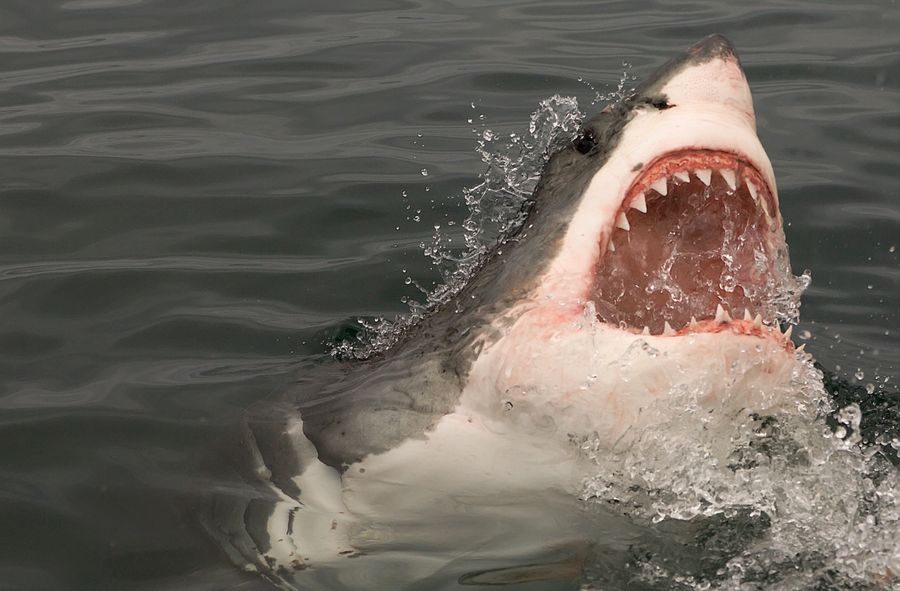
(699, 232)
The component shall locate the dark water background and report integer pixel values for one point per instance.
(195, 195)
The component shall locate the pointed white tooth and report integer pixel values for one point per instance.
(667, 329)
(705, 175)
(622, 221)
(659, 185)
(801, 348)
(646, 330)
(757, 322)
(612, 247)
(683, 175)
(788, 332)
(721, 315)
(694, 324)
(747, 315)
(729, 177)
(752, 188)
(639, 203)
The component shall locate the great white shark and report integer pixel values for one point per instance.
(650, 262)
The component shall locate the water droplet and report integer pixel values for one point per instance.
(805, 335)
(424, 172)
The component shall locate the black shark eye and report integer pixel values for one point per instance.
(585, 141)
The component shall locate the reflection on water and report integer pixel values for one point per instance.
(195, 196)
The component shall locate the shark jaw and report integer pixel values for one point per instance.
(679, 231)
(697, 237)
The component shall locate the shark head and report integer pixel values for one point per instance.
(659, 229)
(680, 211)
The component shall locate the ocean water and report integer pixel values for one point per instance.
(197, 196)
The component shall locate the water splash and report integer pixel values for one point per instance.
(823, 505)
(495, 211)
(619, 92)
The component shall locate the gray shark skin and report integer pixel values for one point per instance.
(476, 415)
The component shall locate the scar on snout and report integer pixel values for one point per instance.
(637, 167)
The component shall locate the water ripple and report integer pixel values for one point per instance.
(195, 196)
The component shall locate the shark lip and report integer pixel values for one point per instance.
(694, 241)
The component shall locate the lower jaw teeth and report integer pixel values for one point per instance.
(721, 316)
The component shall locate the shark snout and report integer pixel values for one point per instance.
(710, 74)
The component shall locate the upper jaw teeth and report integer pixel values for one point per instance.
(729, 177)
(660, 185)
(639, 203)
(752, 188)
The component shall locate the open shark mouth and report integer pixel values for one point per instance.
(695, 242)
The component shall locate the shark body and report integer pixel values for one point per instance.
(648, 264)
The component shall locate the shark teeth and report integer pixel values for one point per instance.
(721, 315)
(750, 326)
(733, 177)
(639, 203)
(722, 320)
(729, 177)
(753, 191)
(622, 222)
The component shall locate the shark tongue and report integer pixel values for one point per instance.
(705, 241)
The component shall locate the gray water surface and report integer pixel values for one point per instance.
(196, 195)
